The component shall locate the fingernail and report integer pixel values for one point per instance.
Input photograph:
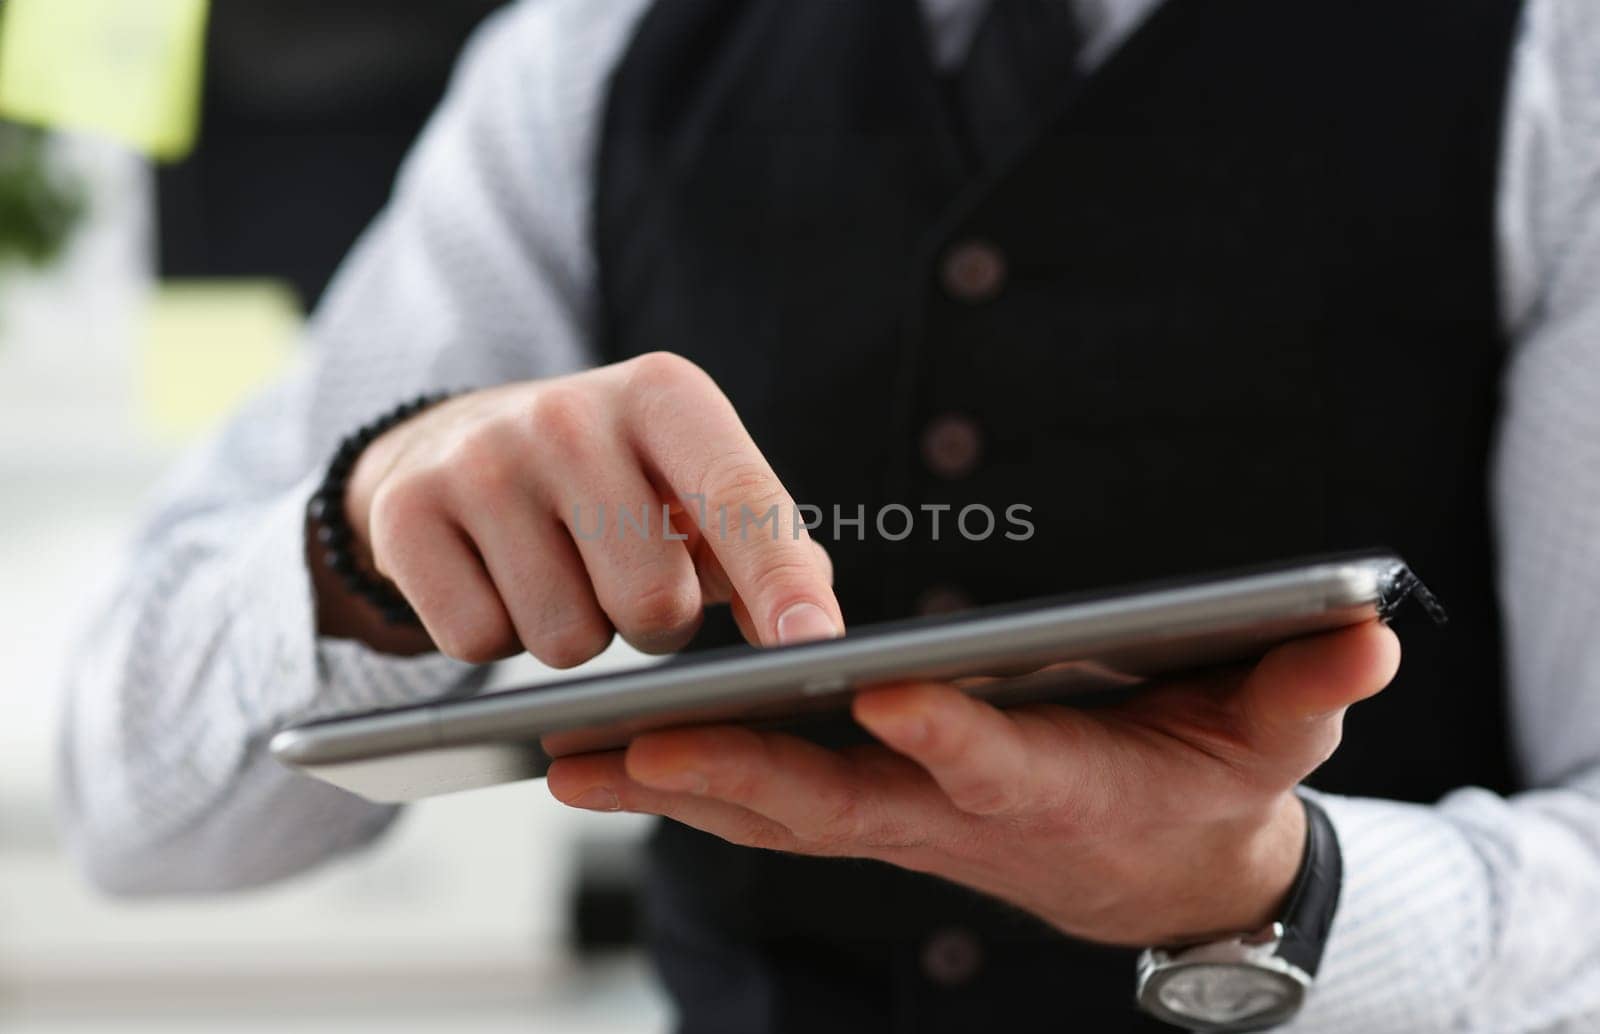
(682, 782)
(598, 798)
(804, 623)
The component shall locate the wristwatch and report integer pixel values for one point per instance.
(1259, 980)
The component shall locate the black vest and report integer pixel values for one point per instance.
(1247, 311)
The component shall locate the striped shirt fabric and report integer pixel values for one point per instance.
(1475, 914)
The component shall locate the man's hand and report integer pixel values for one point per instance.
(486, 512)
(1165, 820)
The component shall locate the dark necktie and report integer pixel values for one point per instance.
(1019, 73)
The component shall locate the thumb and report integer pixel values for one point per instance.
(1302, 686)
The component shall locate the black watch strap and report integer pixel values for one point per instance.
(1314, 896)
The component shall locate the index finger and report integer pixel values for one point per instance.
(689, 435)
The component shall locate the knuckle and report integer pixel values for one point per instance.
(986, 797)
(1073, 816)
(401, 509)
(739, 480)
(656, 370)
(949, 742)
(561, 418)
(658, 387)
(901, 842)
(481, 461)
(570, 644)
(664, 610)
(942, 742)
(402, 503)
(754, 832)
(843, 824)
(475, 642)
(738, 784)
(782, 579)
(746, 761)
(628, 799)
(824, 560)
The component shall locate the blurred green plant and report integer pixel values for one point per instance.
(40, 203)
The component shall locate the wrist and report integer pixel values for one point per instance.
(353, 600)
(1191, 884)
(342, 614)
(1253, 979)
(1245, 880)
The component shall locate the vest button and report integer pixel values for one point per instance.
(951, 957)
(951, 446)
(974, 271)
(942, 599)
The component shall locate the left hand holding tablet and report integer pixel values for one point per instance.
(1170, 818)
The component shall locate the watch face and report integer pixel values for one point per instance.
(1224, 996)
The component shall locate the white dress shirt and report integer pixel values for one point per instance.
(1479, 913)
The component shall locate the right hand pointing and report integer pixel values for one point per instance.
(483, 510)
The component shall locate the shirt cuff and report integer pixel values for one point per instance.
(1412, 930)
(310, 675)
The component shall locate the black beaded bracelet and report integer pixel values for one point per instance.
(332, 528)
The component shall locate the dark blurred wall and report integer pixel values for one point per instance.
(309, 107)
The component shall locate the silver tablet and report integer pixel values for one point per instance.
(1045, 649)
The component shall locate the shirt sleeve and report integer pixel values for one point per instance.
(1478, 913)
(204, 642)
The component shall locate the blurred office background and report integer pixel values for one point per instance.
(175, 291)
